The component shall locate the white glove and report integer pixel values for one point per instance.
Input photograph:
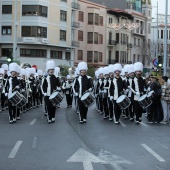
(34, 85)
(45, 94)
(96, 95)
(126, 91)
(90, 89)
(58, 88)
(76, 94)
(149, 89)
(137, 93)
(111, 98)
(100, 91)
(17, 87)
(6, 94)
(128, 87)
(23, 90)
(105, 91)
(30, 90)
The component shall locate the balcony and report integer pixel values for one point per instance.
(33, 40)
(75, 6)
(112, 42)
(75, 24)
(112, 61)
(75, 43)
(129, 45)
(129, 62)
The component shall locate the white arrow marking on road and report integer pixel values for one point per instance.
(87, 158)
(112, 159)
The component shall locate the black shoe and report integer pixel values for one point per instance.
(80, 122)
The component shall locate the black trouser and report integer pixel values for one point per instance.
(34, 98)
(105, 105)
(12, 111)
(97, 103)
(3, 99)
(101, 103)
(69, 99)
(83, 110)
(18, 112)
(50, 108)
(131, 108)
(110, 108)
(40, 96)
(137, 109)
(117, 111)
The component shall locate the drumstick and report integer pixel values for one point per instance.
(132, 89)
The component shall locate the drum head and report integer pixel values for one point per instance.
(13, 94)
(121, 98)
(142, 97)
(53, 95)
(84, 96)
(150, 93)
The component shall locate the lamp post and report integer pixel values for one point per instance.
(165, 38)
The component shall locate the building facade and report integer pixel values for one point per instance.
(38, 31)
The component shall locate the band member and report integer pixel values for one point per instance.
(2, 88)
(40, 77)
(166, 99)
(5, 67)
(50, 84)
(82, 85)
(140, 85)
(95, 90)
(12, 86)
(67, 86)
(117, 86)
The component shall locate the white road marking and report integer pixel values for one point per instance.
(153, 153)
(15, 149)
(34, 143)
(143, 124)
(122, 124)
(33, 121)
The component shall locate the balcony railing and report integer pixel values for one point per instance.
(75, 43)
(112, 42)
(75, 5)
(129, 45)
(112, 61)
(33, 40)
(129, 62)
(75, 24)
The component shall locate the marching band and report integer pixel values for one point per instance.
(116, 90)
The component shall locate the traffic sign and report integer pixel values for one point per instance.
(155, 62)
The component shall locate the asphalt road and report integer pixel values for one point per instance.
(33, 144)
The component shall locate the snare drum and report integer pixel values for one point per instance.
(145, 101)
(56, 98)
(15, 98)
(123, 102)
(88, 99)
(150, 95)
(22, 102)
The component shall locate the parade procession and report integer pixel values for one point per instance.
(117, 92)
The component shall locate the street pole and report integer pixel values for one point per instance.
(165, 38)
(157, 32)
(15, 30)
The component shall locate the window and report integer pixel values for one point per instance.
(138, 42)
(6, 30)
(110, 20)
(6, 51)
(117, 37)
(67, 55)
(95, 38)
(80, 55)
(149, 28)
(90, 19)
(80, 35)
(100, 57)
(162, 34)
(134, 41)
(138, 58)
(90, 38)
(134, 58)
(81, 16)
(63, 15)
(95, 57)
(64, 0)
(96, 19)
(100, 39)
(6, 9)
(33, 53)
(117, 57)
(56, 54)
(32, 31)
(89, 56)
(101, 20)
(62, 35)
(34, 10)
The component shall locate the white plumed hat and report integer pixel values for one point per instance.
(106, 70)
(23, 72)
(40, 72)
(82, 66)
(68, 77)
(1, 71)
(50, 65)
(111, 68)
(4, 66)
(32, 71)
(126, 68)
(97, 73)
(138, 66)
(117, 67)
(57, 70)
(131, 69)
(13, 67)
(101, 70)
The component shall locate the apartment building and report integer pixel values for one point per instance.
(36, 31)
(91, 34)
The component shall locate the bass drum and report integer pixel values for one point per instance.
(123, 102)
(15, 98)
(88, 99)
(56, 98)
(145, 101)
(22, 102)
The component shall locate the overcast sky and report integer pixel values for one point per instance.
(161, 7)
